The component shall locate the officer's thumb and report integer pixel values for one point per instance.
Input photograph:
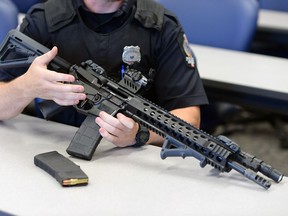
(47, 57)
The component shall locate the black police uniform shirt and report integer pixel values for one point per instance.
(81, 35)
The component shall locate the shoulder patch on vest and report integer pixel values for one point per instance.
(186, 50)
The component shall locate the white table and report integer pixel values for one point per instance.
(273, 20)
(256, 81)
(121, 181)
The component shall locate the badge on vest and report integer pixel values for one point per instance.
(189, 54)
(131, 54)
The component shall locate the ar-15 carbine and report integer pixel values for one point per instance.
(181, 138)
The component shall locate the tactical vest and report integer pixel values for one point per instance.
(77, 42)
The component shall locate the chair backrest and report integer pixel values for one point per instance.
(280, 5)
(24, 5)
(8, 17)
(229, 24)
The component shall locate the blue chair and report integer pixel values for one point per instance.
(8, 17)
(279, 5)
(24, 5)
(228, 24)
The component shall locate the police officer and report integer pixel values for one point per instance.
(107, 31)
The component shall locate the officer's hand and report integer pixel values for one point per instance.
(121, 131)
(40, 82)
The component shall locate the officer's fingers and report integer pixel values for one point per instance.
(69, 98)
(53, 76)
(61, 88)
(47, 57)
(108, 127)
(129, 123)
(109, 119)
(122, 122)
(109, 137)
(66, 102)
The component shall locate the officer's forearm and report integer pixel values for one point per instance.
(189, 114)
(12, 99)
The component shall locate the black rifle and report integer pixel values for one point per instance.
(181, 138)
